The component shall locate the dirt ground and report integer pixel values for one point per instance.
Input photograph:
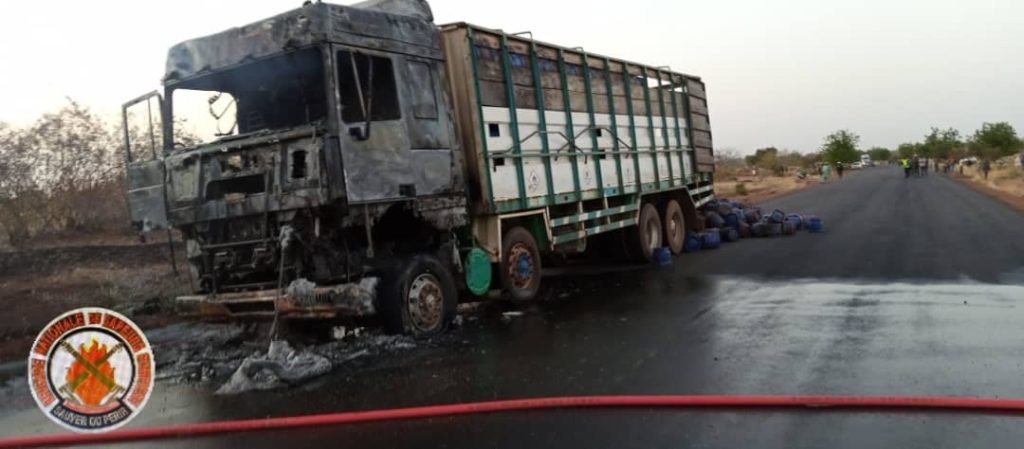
(761, 188)
(1004, 183)
(40, 283)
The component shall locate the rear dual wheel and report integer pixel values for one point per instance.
(675, 226)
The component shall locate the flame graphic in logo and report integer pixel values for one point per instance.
(92, 390)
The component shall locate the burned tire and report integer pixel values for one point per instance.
(417, 297)
(675, 226)
(642, 240)
(519, 270)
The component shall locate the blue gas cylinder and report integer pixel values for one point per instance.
(729, 234)
(814, 224)
(797, 220)
(693, 242)
(732, 220)
(712, 238)
(663, 256)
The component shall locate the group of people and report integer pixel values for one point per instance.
(916, 165)
(919, 166)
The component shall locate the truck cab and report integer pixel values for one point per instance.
(331, 145)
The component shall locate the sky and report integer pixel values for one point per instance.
(778, 73)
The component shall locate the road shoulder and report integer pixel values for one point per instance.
(1014, 201)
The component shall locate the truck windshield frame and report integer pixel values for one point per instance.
(276, 93)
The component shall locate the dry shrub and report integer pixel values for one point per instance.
(741, 189)
(63, 173)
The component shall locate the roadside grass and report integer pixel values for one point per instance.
(1005, 183)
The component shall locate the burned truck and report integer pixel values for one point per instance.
(369, 163)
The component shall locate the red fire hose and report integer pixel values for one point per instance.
(250, 425)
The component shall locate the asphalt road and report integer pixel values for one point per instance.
(914, 289)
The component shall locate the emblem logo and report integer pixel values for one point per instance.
(91, 370)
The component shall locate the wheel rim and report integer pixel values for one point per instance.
(425, 301)
(652, 235)
(675, 227)
(521, 266)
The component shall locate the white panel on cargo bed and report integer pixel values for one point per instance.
(503, 176)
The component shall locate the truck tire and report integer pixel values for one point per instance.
(520, 266)
(675, 226)
(642, 240)
(418, 297)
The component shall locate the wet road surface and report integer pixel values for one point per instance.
(912, 290)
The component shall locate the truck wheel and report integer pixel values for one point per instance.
(642, 240)
(418, 297)
(675, 226)
(520, 265)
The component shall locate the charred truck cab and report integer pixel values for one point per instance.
(343, 188)
(341, 170)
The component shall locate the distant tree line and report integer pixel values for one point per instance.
(991, 141)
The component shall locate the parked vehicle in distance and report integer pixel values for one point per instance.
(377, 163)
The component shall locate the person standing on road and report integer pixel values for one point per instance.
(915, 165)
(922, 167)
(839, 169)
(905, 163)
(986, 166)
(826, 172)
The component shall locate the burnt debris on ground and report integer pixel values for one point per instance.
(233, 358)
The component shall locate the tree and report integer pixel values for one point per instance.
(908, 150)
(994, 140)
(67, 171)
(767, 158)
(940, 143)
(790, 159)
(727, 156)
(841, 146)
(764, 157)
(879, 154)
(810, 160)
(19, 189)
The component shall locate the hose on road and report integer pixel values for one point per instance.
(699, 402)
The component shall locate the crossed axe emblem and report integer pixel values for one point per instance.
(68, 390)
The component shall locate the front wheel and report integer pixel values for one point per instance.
(418, 298)
(520, 265)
